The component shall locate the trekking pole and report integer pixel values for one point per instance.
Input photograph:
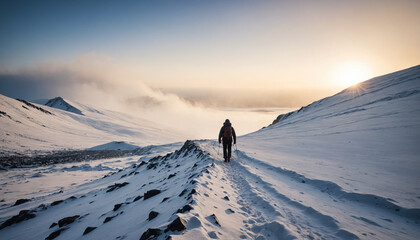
(236, 146)
(218, 150)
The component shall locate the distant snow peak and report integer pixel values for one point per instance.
(60, 103)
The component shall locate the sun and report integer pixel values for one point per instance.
(351, 73)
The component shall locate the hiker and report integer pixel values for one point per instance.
(227, 132)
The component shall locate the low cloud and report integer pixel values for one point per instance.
(101, 82)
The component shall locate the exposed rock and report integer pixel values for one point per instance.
(107, 219)
(151, 193)
(192, 192)
(88, 230)
(55, 234)
(53, 224)
(213, 216)
(137, 198)
(56, 202)
(226, 198)
(171, 175)
(186, 208)
(178, 224)
(163, 200)
(22, 216)
(116, 186)
(21, 201)
(152, 165)
(182, 193)
(152, 215)
(117, 206)
(67, 220)
(151, 232)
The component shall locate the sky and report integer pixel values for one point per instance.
(217, 54)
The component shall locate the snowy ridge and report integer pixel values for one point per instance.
(211, 199)
(197, 193)
(60, 103)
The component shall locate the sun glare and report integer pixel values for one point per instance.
(350, 74)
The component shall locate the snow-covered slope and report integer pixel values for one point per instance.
(27, 127)
(353, 156)
(115, 145)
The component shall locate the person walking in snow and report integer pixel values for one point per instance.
(226, 133)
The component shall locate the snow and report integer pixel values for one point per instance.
(62, 104)
(344, 167)
(115, 145)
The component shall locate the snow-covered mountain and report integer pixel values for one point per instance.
(62, 104)
(344, 167)
(27, 127)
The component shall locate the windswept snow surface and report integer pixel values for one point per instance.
(28, 127)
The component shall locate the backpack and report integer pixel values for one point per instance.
(228, 132)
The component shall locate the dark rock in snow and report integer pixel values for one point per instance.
(137, 198)
(171, 175)
(53, 224)
(152, 165)
(55, 234)
(163, 200)
(178, 224)
(152, 215)
(151, 193)
(213, 216)
(141, 164)
(67, 220)
(21, 201)
(117, 206)
(116, 186)
(88, 230)
(56, 202)
(192, 192)
(186, 208)
(107, 219)
(182, 193)
(303, 181)
(151, 232)
(226, 198)
(22, 216)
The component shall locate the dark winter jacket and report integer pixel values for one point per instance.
(222, 130)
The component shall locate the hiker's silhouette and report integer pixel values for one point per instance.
(226, 134)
